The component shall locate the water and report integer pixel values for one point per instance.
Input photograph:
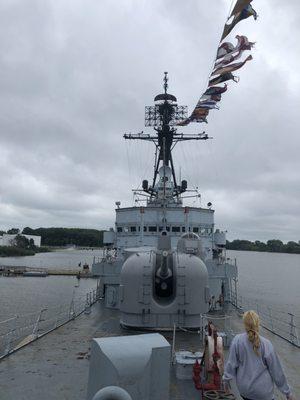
(272, 278)
(62, 259)
(21, 295)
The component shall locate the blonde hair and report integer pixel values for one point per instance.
(251, 323)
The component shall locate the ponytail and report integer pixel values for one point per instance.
(251, 323)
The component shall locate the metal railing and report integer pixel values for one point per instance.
(20, 330)
(280, 322)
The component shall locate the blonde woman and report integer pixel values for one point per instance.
(253, 363)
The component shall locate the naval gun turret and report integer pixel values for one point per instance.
(164, 286)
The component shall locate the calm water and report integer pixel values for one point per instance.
(268, 277)
(62, 259)
(27, 294)
(273, 278)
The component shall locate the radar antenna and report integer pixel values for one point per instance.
(163, 117)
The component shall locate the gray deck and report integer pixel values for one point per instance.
(56, 366)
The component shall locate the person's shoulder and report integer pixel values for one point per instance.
(240, 337)
(267, 344)
(265, 340)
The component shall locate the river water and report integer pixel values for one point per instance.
(271, 278)
(22, 295)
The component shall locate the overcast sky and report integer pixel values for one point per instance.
(76, 75)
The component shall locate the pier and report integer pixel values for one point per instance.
(11, 270)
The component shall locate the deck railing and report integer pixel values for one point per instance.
(20, 330)
(280, 322)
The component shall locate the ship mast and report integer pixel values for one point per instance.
(163, 117)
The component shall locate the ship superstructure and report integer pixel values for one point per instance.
(164, 210)
(165, 219)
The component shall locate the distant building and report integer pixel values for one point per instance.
(7, 239)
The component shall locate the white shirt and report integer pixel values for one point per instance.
(255, 375)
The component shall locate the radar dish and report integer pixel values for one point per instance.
(165, 96)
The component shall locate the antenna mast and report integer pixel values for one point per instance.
(163, 117)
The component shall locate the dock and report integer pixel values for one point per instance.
(10, 270)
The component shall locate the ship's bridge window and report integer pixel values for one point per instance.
(119, 229)
(126, 229)
(152, 228)
(161, 228)
(195, 229)
(183, 229)
(133, 229)
(145, 229)
(167, 228)
(202, 231)
(175, 228)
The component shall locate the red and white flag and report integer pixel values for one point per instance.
(231, 67)
(228, 49)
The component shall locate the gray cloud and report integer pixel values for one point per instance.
(75, 76)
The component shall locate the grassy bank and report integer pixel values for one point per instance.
(12, 251)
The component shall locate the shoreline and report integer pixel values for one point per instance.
(11, 251)
(264, 251)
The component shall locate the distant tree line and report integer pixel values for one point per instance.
(20, 245)
(274, 246)
(13, 251)
(67, 236)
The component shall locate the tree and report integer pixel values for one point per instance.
(66, 236)
(31, 244)
(260, 246)
(292, 247)
(21, 242)
(275, 245)
(13, 231)
(28, 231)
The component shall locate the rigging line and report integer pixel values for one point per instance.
(186, 162)
(148, 164)
(139, 163)
(210, 149)
(214, 59)
(230, 9)
(147, 167)
(194, 151)
(193, 159)
(128, 160)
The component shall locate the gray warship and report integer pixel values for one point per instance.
(165, 263)
(166, 305)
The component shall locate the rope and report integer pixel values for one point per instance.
(214, 59)
(218, 395)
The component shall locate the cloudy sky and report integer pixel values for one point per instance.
(76, 75)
